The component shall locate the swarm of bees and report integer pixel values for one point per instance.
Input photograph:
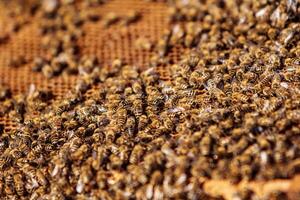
(229, 110)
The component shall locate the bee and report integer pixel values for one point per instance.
(101, 179)
(193, 59)
(75, 143)
(86, 174)
(5, 159)
(274, 61)
(197, 80)
(240, 97)
(293, 166)
(168, 123)
(93, 16)
(6, 106)
(41, 178)
(121, 116)
(56, 66)
(9, 179)
(131, 17)
(131, 125)
(138, 108)
(80, 153)
(287, 35)
(110, 19)
(276, 81)
(104, 74)
(9, 191)
(4, 142)
(189, 40)
(79, 186)
(181, 83)
(129, 72)
(264, 143)
(265, 121)
(4, 92)
(289, 62)
(144, 136)
(87, 64)
(241, 145)
(16, 154)
(102, 156)
(124, 153)
(36, 147)
(271, 106)
(47, 71)
(153, 161)
(128, 92)
(163, 44)
(115, 162)
(177, 34)
(137, 88)
(71, 124)
(266, 78)
(4, 37)
(98, 136)
(90, 128)
(206, 145)
(111, 135)
(274, 195)
(136, 154)
(142, 122)
(17, 61)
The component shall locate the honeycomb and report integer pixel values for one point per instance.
(107, 44)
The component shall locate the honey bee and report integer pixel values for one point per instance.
(265, 121)
(277, 195)
(4, 92)
(4, 37)
(115, 162)
(47, 71)
(130, 125)
(41, 179)
(131, 17)
(16, 154)
(287, 35)
(137, 88)
(110, 19)
(111, 135)
(163, 44)
(124, 153)
(153, 161)
(271, 106)
(177, 34)
(9, 191)
(144, 136)
(250, 76)
(75, 143)
(17, 61)
(138, 108)
(189, 40)
(80, 153)
(196, 80)
(129, 72)
(6, 106)
(136, 154)
(240, 97)
(242, 144)
(168, 124)
(274, 61)
(264, 143)
(142, 122)
(206, 145)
